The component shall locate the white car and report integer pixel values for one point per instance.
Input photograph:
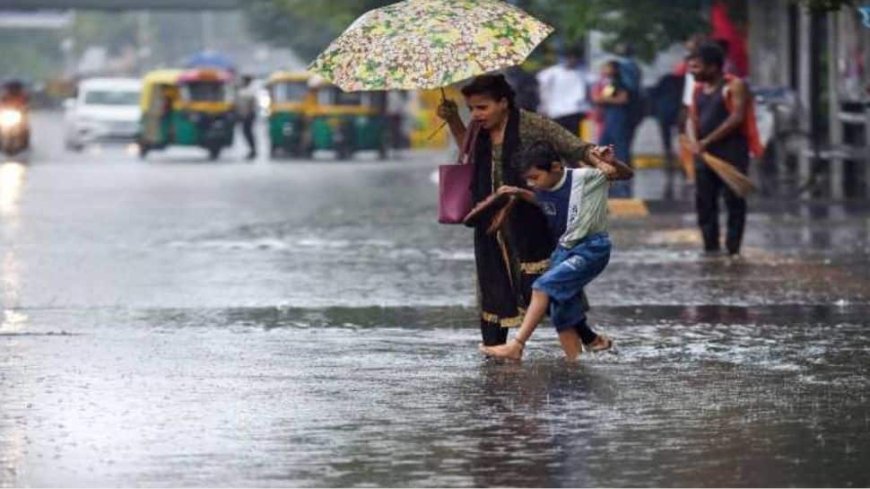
(105, 109)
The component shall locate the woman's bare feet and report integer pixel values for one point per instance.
(513, 350)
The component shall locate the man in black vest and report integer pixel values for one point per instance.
(717, 121)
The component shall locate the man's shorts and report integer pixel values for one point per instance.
(570, 270)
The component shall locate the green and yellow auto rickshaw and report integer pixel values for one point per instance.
(347, 122)
(291, 98)
(192, 107)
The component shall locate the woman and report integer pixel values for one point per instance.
(613, 100)
(512, 258)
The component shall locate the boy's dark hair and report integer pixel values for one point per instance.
(495, 87)
(540, 155)
(710, 54)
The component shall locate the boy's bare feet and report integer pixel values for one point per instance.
(513, 350)
(601, 343)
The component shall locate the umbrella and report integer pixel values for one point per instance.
(210, 59)
(424, 44)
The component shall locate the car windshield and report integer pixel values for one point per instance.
(289, 91)
(111, 97)
(205, 91)
(335, 96)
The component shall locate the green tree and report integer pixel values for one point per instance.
(305, 26)
(649, 25)
(30, 54)
(826, 5)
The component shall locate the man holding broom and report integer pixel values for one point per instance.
(721, 134)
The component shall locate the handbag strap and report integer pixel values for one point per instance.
(468, 143)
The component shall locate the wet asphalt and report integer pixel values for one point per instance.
(176, 322)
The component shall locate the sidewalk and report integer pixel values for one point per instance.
(650, 188)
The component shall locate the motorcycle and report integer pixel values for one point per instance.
(14, 131)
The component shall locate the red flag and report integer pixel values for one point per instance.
(737, 57)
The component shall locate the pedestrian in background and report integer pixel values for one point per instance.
(563, 91)
(525, 85)
(632, 80)
(613, 100)
(396, 111)
(246, 109)
(721, 122)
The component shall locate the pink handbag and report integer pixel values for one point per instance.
(454, 182)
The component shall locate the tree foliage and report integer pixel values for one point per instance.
(649, 25)
(826, 5)
(302, 25)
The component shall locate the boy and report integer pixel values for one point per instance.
(575, 204)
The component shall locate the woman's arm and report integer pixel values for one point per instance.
(522, 193)
(612, 168)
(570, 148)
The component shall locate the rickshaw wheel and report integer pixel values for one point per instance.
(214, 153)
(143, 150)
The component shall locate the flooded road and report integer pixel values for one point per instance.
(182, 323)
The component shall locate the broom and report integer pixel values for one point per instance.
(736, 181)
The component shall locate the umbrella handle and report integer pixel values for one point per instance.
(435, 133)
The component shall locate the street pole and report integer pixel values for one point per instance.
(805, 95)
(837, 165)
(143, 39)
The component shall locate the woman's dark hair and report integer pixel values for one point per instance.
(495, 87)
(540, 154)
(710, 54)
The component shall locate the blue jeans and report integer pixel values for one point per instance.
(570, 271)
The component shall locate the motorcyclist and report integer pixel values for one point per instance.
(14, 99)
(14, 96)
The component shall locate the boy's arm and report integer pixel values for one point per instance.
(522, 193)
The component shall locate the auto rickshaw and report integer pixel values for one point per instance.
(290, 98)
(347, 122)
(187, 108)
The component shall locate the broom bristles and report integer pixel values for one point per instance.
(736, 181)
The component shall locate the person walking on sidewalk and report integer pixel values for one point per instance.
(613, 99)
(247, 112)
(718, 124)
(563, 91)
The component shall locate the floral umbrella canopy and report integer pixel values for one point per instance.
(423, 44)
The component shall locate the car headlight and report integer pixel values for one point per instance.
(10, 117)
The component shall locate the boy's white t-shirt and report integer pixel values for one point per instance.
(577, 206)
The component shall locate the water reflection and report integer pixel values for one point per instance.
(11, 184)
(10, 280)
